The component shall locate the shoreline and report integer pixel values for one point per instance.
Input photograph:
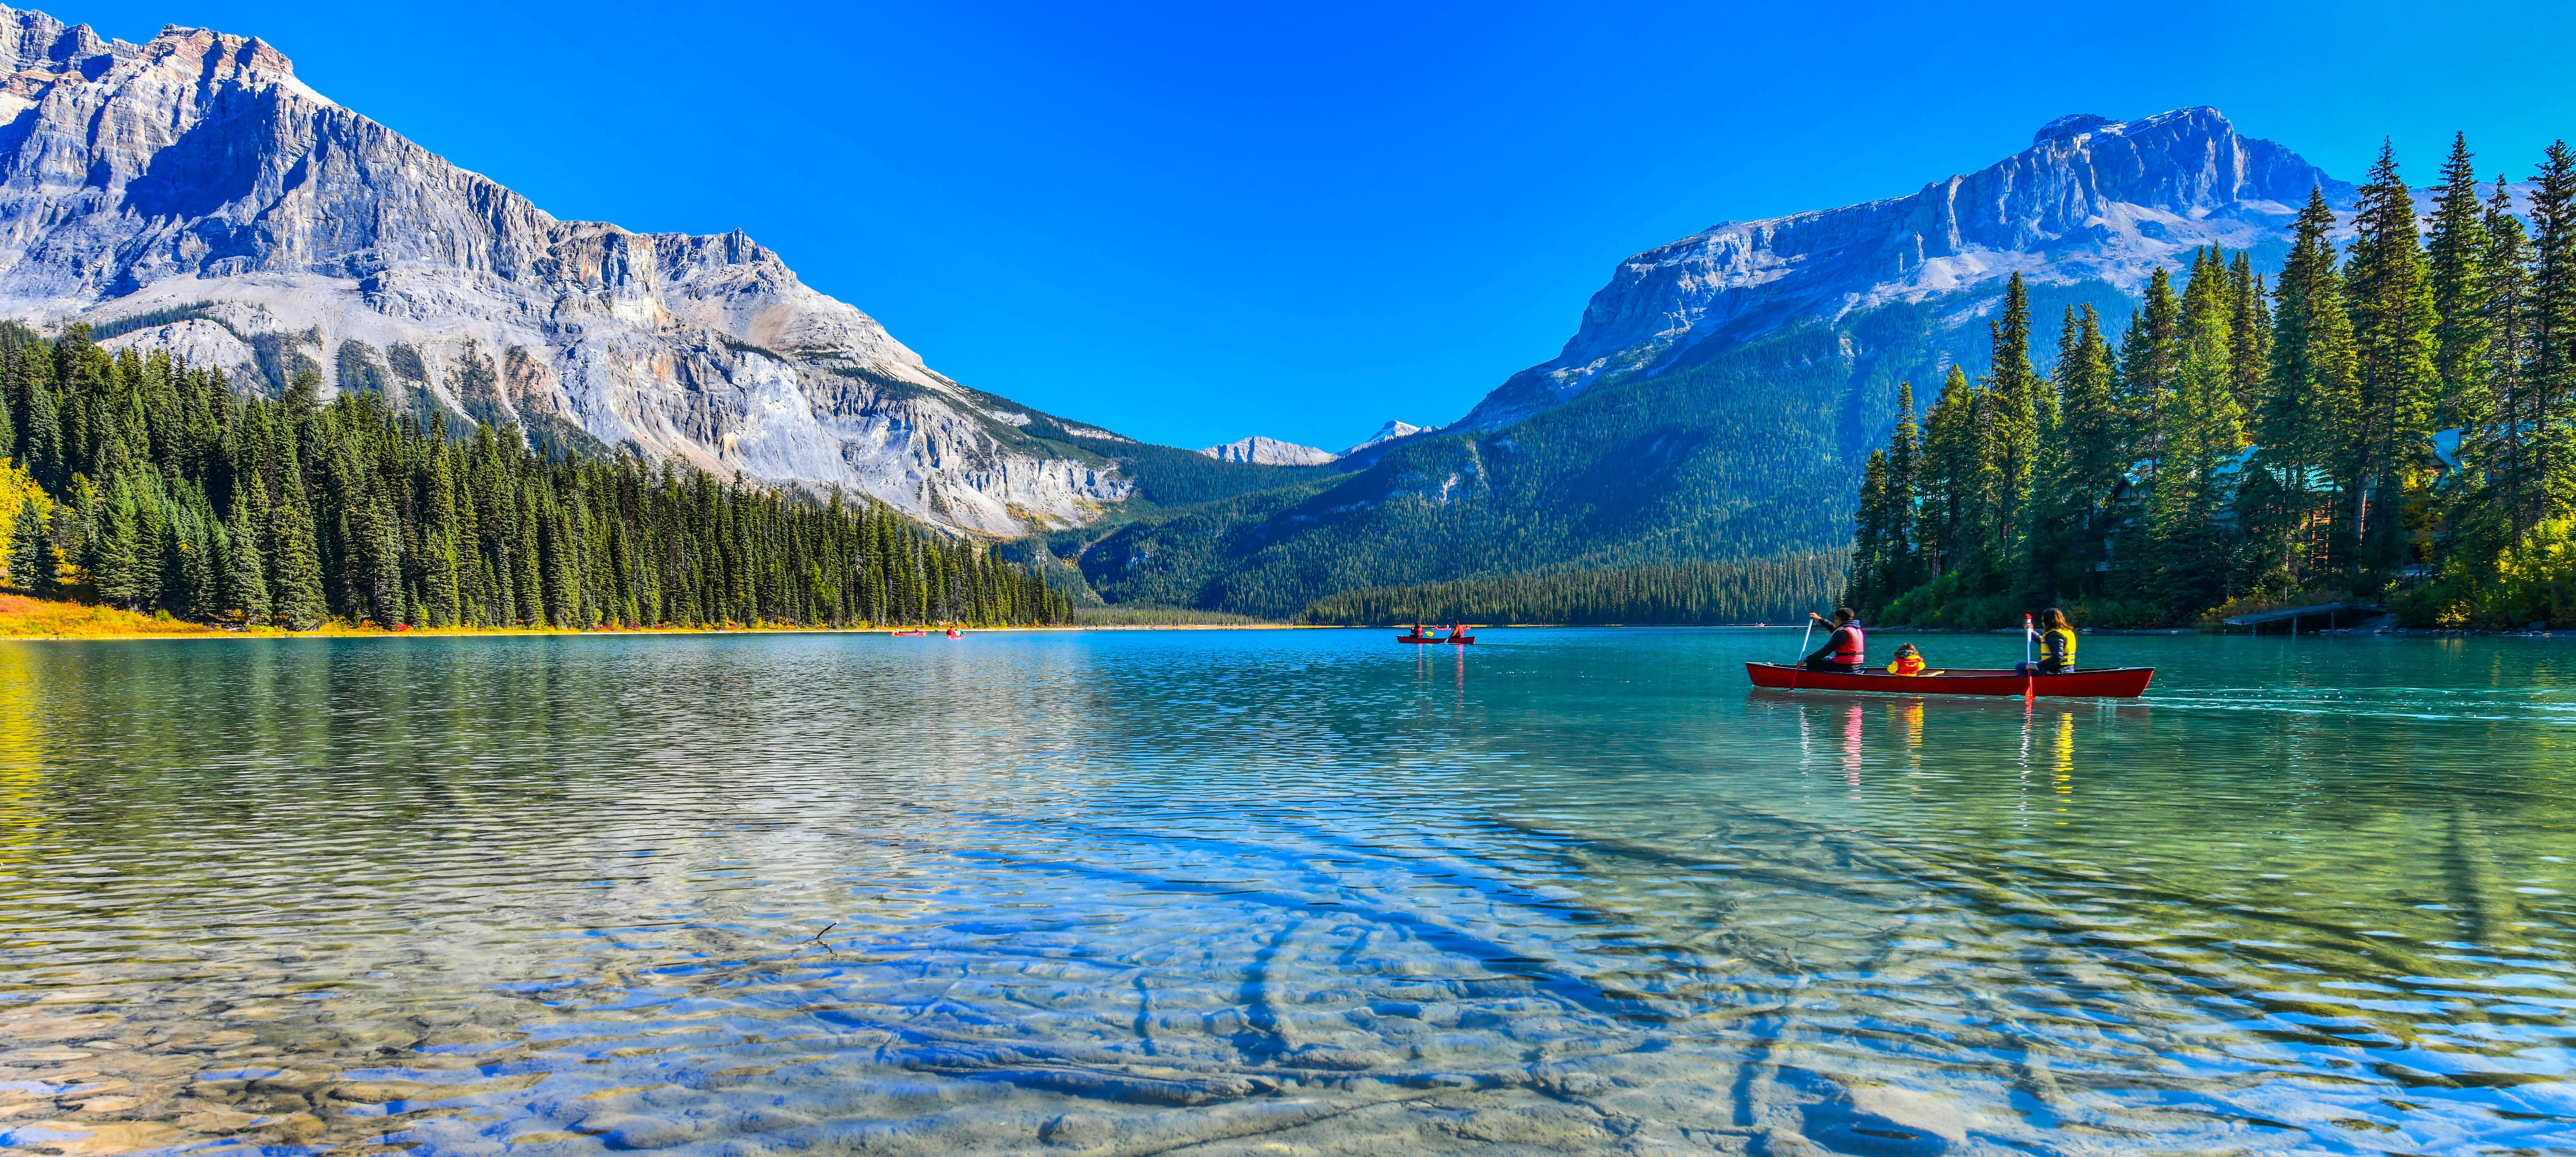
(176, 630)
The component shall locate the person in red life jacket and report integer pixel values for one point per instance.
(1845, 650)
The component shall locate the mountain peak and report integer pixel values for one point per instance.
(191, 194)
(1389, 432)
(2092, 200)
(2072, 124)
(1269, 452)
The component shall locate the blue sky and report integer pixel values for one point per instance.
(1190, 223)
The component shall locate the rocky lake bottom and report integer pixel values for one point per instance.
(1264, 891)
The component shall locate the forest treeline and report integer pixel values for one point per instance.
(2392, 421)
(146, 483)
(1685, 594)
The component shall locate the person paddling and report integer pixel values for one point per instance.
(2056, 642)
(1845, 650)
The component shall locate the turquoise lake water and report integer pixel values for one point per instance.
(1274, 891)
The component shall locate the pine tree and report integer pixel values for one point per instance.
(2087, 461)
(31, 562)
(2310, 400)
(124, 564)
(295, 555)
(2193, 563)
(1904, 496)
(2455, 258)
(2249, 333)
(243, 587)
(2549, 377)
(42, 433)
(2147, 355)
(2395, 335)
(2011, 430)
(1868, 584)
(2500, 451)
(1950, 463)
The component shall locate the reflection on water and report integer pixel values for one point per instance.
(1139, 892)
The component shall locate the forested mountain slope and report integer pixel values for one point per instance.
(1722, 393)
(190, 194)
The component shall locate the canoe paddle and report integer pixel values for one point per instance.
(2029, 682)
(1800, 663)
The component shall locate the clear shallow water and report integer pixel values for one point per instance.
(1278, 891)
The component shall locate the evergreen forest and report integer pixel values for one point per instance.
(149, 484)
(2391, 419)
(1681, 594)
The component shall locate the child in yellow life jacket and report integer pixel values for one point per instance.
(1908, 661)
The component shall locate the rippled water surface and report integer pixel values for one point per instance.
(1220, 892)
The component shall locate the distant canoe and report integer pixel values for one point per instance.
(1460, 639)
(900, 634)
(2081, 683)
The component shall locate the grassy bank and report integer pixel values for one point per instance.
(26, 617)
(22, 617)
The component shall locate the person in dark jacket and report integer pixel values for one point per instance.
(1846, 649)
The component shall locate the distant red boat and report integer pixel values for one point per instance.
(900, 634)
(1460, 639)
(2095, 683)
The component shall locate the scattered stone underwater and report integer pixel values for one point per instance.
(1216, 892)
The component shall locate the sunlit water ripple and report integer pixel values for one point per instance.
(1221, 892)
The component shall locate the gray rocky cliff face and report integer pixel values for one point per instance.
(1269, 452)
(192, 193)
(2090, 199)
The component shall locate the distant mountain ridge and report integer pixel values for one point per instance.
(1273, 452)
(2091, 200)
(191, 193)
(1269, 452)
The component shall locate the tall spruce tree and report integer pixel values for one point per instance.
(1951, 468)
(2192, 561)
(2499, 452)
(2455, 261)
(31, 562)
(2080, 463)
(294, 554)
(2147, 356)
(2549, 375)
(2011, 435)
(2394, 328)
(2249, 332)
(243, 587)
(2308, 403)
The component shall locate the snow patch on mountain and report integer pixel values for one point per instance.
(1387, 433)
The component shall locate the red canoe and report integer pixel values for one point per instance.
(1435, 639)
(2081, 683)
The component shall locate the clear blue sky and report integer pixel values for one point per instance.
(1194, 222)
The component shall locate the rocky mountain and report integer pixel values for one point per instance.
(191, 194)
(1385, 434)
(2093, 202)
(1720, 395)
(1273, 452)
(1269, 452)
